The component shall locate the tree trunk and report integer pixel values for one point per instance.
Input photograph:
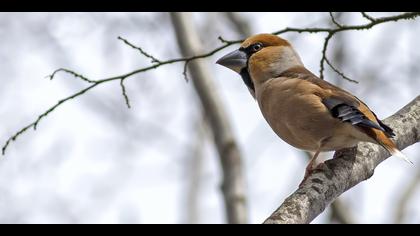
(233, 180)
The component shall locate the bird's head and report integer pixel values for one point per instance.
(261, 57)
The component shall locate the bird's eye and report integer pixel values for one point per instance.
(256, 47)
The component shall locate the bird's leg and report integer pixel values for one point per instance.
(311, 166)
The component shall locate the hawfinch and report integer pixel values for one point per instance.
(302, 109)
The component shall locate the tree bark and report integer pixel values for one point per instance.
(348, 168)
(340, 212)
(233, 180)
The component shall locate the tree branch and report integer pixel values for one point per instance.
(233, 180)
(334, 21)
(154, 59)
(186, 60)
(371, 19)
(95, 83)
(348, 168)
(339, 210)
(339, 72)
(124, 93)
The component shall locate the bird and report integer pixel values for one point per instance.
(305, 111)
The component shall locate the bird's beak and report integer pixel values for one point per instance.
(235, 60)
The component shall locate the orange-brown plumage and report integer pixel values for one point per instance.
(266, 40)
(303, 110)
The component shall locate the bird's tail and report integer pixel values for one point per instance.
(390, 146)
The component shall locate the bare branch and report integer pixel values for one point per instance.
(52, 76)
(99, 82)
(341, 28)
(371, 19)
(334, 21)
(348, 168)
(332, 32)
(43, 115)
(339, 72)
(324, 55)
(377, 21)
(186, 60)
(154, 59)
(124, 93)
(228, 41)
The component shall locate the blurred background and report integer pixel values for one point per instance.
(95, 161)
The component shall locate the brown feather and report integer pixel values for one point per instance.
(304, 110)
(266, 39)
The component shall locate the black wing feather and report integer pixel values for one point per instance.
(349, 113)
(388, 130)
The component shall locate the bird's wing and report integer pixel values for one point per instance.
(388, 131)
(341, 104)
(344, 106)
(348, 108)
(351, 113)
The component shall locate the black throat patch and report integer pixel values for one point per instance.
(247, 79)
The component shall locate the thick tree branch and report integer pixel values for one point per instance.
(233, 180)
(348, 168)
(339, 210)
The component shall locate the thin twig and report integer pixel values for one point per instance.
(332, 32)
(98, 82)
(334, 21)
(324, 55)
(52, 76)
(228, 41)
(339, 72)
(124, 93)
(154, 59)
(371, 19)
(43, 115)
